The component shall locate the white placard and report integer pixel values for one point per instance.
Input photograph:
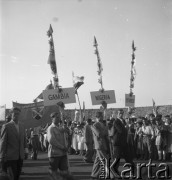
(129, 100)
(52, 96)
(97, 97)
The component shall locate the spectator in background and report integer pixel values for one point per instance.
(110, 134)
(88, 136)
(75, 139)
(130, 137)
(151, 118)
(34, 140)
(167, 137)
(139, 139)
(101, 143)
(148, 135)
(120, 146)
(13, 145)
(80, 137)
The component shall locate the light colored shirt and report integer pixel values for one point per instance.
(147, 130)
(111, 131)
(56, 139)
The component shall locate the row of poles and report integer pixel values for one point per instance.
(52, 62)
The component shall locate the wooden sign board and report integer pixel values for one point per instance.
(129, 100)
(52, 96)
(97, 97)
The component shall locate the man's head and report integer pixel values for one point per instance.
(120, 113)
(8, 118)
(99, 116)
(15, 113)
(89, 121)
(145, 121)
(55, 117)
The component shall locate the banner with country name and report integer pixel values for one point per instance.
(98, 97)
(53, 96)
(129, 100)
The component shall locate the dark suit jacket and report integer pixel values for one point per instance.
(100, 136)
(120, 133)
(12, 143)
(88, 135)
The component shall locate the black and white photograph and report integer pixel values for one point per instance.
(85, 89)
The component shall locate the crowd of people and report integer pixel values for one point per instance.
(141, 138)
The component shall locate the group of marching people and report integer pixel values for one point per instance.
(141, 138)
(36, 139)
(147, 137)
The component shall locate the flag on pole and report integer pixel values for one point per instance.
(155, 108)
(51, 58)
(77, 81)
(2, 113)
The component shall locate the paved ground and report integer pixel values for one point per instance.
(38, 170)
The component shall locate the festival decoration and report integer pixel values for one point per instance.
(133, 69)
(155, 108)
(52, 59)
(77, 82)
(99, 64)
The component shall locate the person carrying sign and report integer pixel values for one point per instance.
(57, 150)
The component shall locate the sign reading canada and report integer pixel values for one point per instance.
(129, 100)
(53, 96)
(97, 97)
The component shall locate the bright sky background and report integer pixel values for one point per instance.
(24, 48)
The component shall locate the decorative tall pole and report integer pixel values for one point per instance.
(100, 80)
(133, 70)
(52, 62)
(99, 64)
(51, 59)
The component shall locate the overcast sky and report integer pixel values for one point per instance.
(24, 48)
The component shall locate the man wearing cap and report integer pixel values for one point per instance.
(13, 145)
(57, 150)
(101, 143)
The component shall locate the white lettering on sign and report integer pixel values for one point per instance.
(58, 96)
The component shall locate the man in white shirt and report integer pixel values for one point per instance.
(148, 135)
